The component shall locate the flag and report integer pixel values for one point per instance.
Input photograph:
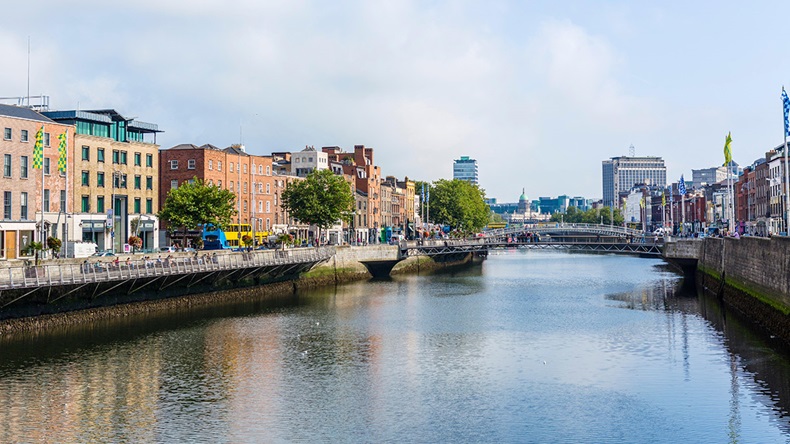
(682, 186)
(642, 202)
(727, 150)
(63, 152)
(38, 150)
(664, 199)
(786, 106)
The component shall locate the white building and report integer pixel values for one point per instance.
(620, 174)
(308, 160)
(465, 169)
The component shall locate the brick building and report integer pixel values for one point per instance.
(249, 177)
(23, 195)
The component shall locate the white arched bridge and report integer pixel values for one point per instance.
(574, 237)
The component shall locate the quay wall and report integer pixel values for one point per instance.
(750, 274)
(343, 266)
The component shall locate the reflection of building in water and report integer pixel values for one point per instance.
(86, 400)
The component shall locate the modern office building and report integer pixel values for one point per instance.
(465, 169)
(621, 173)
(114, 178)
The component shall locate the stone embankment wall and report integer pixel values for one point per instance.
(344, 266)
(750, 274)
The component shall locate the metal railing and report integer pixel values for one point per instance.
(91, 271)
(566, 227)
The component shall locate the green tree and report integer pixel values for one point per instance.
(194, 204)
(459, 204)
(321, 199)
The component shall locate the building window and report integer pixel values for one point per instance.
(268, 207)
(7, 134)
(149, 160)
(86, 204)
(115, 156)
(231, 167)
(245, 206)
(100, 204)
(123, 157)
(174, 184)
(23, 167)
(149, 182)
(210, 165)
(46, 200)
(100, 179)
(23, 206)
(46, 166)
(219, 184)
(7, 205)
(136, 205)
(245, 187)
(191, 164)
(62, 201)
(100, 154)
(86, 178)
(174, 164)
(268, 190)
(24, 136)
(86, 152)
(219, 165)
(138, 159)
(268, 172)
(149, 205)
(138, 182)
(46, 139)
(231, 185)
(123, 181)
(245, 168)
(7, 165)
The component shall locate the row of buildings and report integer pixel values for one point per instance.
(750, 199)
(114, 179)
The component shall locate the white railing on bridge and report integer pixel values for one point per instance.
(94, 270)
(565, 227)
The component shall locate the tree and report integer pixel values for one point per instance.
(34, 248)
(459, 204)
(194, 204)
(54, 244)
(135, 241)
(321, 199)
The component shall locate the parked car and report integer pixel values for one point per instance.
(170, 249)
(188, 250)
(103, 253)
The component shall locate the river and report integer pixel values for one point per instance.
(528, 347)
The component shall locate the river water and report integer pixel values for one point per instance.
(529, 347)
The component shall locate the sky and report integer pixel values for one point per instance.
(539, 92)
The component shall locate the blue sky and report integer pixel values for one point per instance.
(538, 92)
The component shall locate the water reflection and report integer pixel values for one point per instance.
(525, 348)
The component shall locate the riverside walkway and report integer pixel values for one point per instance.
(106, 276)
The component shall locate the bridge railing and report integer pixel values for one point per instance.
(91, 271)
(558, 226)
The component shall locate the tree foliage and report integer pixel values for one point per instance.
(321, 199)
(592, 216)
(194, 204)
(459, 204)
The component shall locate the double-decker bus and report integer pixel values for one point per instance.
(213, 238)
(234, 233)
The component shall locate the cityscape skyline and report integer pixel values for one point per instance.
(537, 92)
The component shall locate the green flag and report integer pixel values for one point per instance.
(727, 150)
(62, 150)
(38, 150)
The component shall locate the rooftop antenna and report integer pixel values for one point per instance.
(631, 151)
(28, 70)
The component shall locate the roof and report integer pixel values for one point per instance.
(104, 116)
(235, 150)
(184, 146)
(21, 112)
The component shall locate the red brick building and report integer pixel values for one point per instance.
(248, 176)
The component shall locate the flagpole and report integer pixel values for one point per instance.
(43, 230)
(787, 191)
(66, 203)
